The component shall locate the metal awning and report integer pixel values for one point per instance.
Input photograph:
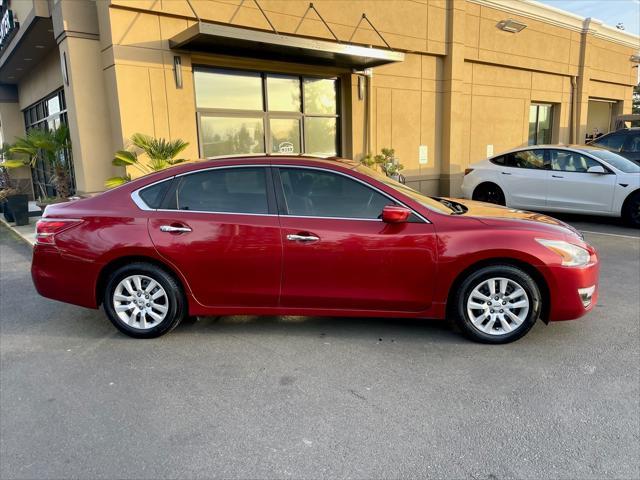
(246, 42)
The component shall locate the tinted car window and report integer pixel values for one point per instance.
(230, 190)
(525, 159)
(567, 161)
(499, 160)
(618, 161)
(632, 143)
(318, 193)
(612, 141)
(154, 194)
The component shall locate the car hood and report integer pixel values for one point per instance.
(498, 216)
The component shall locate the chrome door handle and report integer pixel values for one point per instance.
(302, 238)
(172, 229)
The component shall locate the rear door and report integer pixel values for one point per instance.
(339, 255)
(571, 188)
(220, 228)
(525, 178)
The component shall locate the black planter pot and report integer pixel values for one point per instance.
(16, 209)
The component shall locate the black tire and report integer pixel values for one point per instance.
(631, 210)
(174, 300)
(489, 193)
(516, 275)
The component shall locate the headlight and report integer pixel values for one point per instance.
(572, 255)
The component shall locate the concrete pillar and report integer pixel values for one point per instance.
(453, 104)
(77, 33)
(590, 27)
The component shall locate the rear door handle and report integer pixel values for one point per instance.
(172, 229)
(557, 176)
(302, 238)
(506, 173)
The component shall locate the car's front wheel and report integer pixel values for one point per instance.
(631, 210)
(143, 301)
(497, 304)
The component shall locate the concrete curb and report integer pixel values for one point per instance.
(27, 235)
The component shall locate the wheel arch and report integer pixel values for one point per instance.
(116, 263)
(531, 270)
(627, 200)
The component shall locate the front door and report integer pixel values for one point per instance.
(572, 188)
(220, 229)
(339, 255)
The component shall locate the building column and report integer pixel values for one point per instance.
(77, 33)
(451, 173)
(590, 26)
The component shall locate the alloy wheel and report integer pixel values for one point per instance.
(498, 306)
(140, 302)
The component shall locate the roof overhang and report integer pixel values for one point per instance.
(246, 42)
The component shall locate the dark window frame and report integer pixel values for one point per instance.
(265, 114)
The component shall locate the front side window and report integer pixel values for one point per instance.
(567, 161)
(315, 193)
(248, 112)
(223, 190)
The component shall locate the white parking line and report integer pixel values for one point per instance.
(612, 234)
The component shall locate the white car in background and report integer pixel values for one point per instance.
(556, 178)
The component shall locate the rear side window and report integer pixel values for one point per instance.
(533, 159)
(154, 194)
(224, 190)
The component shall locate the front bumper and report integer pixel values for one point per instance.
(573, 291)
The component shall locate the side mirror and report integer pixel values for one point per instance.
(395, 214)
(596, 169)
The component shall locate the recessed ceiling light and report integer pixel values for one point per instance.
(27, 59)
(39, 46)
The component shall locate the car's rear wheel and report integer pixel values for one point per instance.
(143, 301)
(631, 210)
(490, 193)
(497, 304)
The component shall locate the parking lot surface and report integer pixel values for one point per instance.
(292, 397)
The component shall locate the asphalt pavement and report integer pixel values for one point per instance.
(293, 397)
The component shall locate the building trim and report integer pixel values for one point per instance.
(555, 16)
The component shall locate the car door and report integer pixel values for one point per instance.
(339, 255)
(220, 228)
(571, 188)
(525, 178)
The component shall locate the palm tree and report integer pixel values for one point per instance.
(49, 146)
(161, 154)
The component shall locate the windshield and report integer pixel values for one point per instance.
(429, 202)
(618, 161)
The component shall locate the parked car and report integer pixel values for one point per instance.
(625, 142)
(304, 236)
(556, 178)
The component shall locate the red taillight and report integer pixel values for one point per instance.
(47, 228)
(467, 171)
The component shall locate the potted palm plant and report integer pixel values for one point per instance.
(49, 146)
(160, 152)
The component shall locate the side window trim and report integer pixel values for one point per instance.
(282, 206)
(271, 200)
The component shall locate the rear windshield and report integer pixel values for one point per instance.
(618, 161)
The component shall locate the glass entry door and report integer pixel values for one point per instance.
(540, 124)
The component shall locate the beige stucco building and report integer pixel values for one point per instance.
(455, 82)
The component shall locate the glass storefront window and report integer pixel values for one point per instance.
(294, 115)
(231, 135)
(540, 124)
(229, 90)
(285, 135)
(283, 93)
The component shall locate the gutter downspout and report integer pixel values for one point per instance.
(574, 109)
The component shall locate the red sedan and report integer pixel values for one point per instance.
(304, 236)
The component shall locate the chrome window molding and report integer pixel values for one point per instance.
(135, 195)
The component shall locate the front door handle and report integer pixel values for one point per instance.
(506, 173)
(557, 176)
(173, 229)
(302, 238)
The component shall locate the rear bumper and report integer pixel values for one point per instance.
(573, 291)
(64, 277)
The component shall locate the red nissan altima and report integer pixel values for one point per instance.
(305, 236)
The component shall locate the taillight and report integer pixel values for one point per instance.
(467, 171)
(48, 228)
